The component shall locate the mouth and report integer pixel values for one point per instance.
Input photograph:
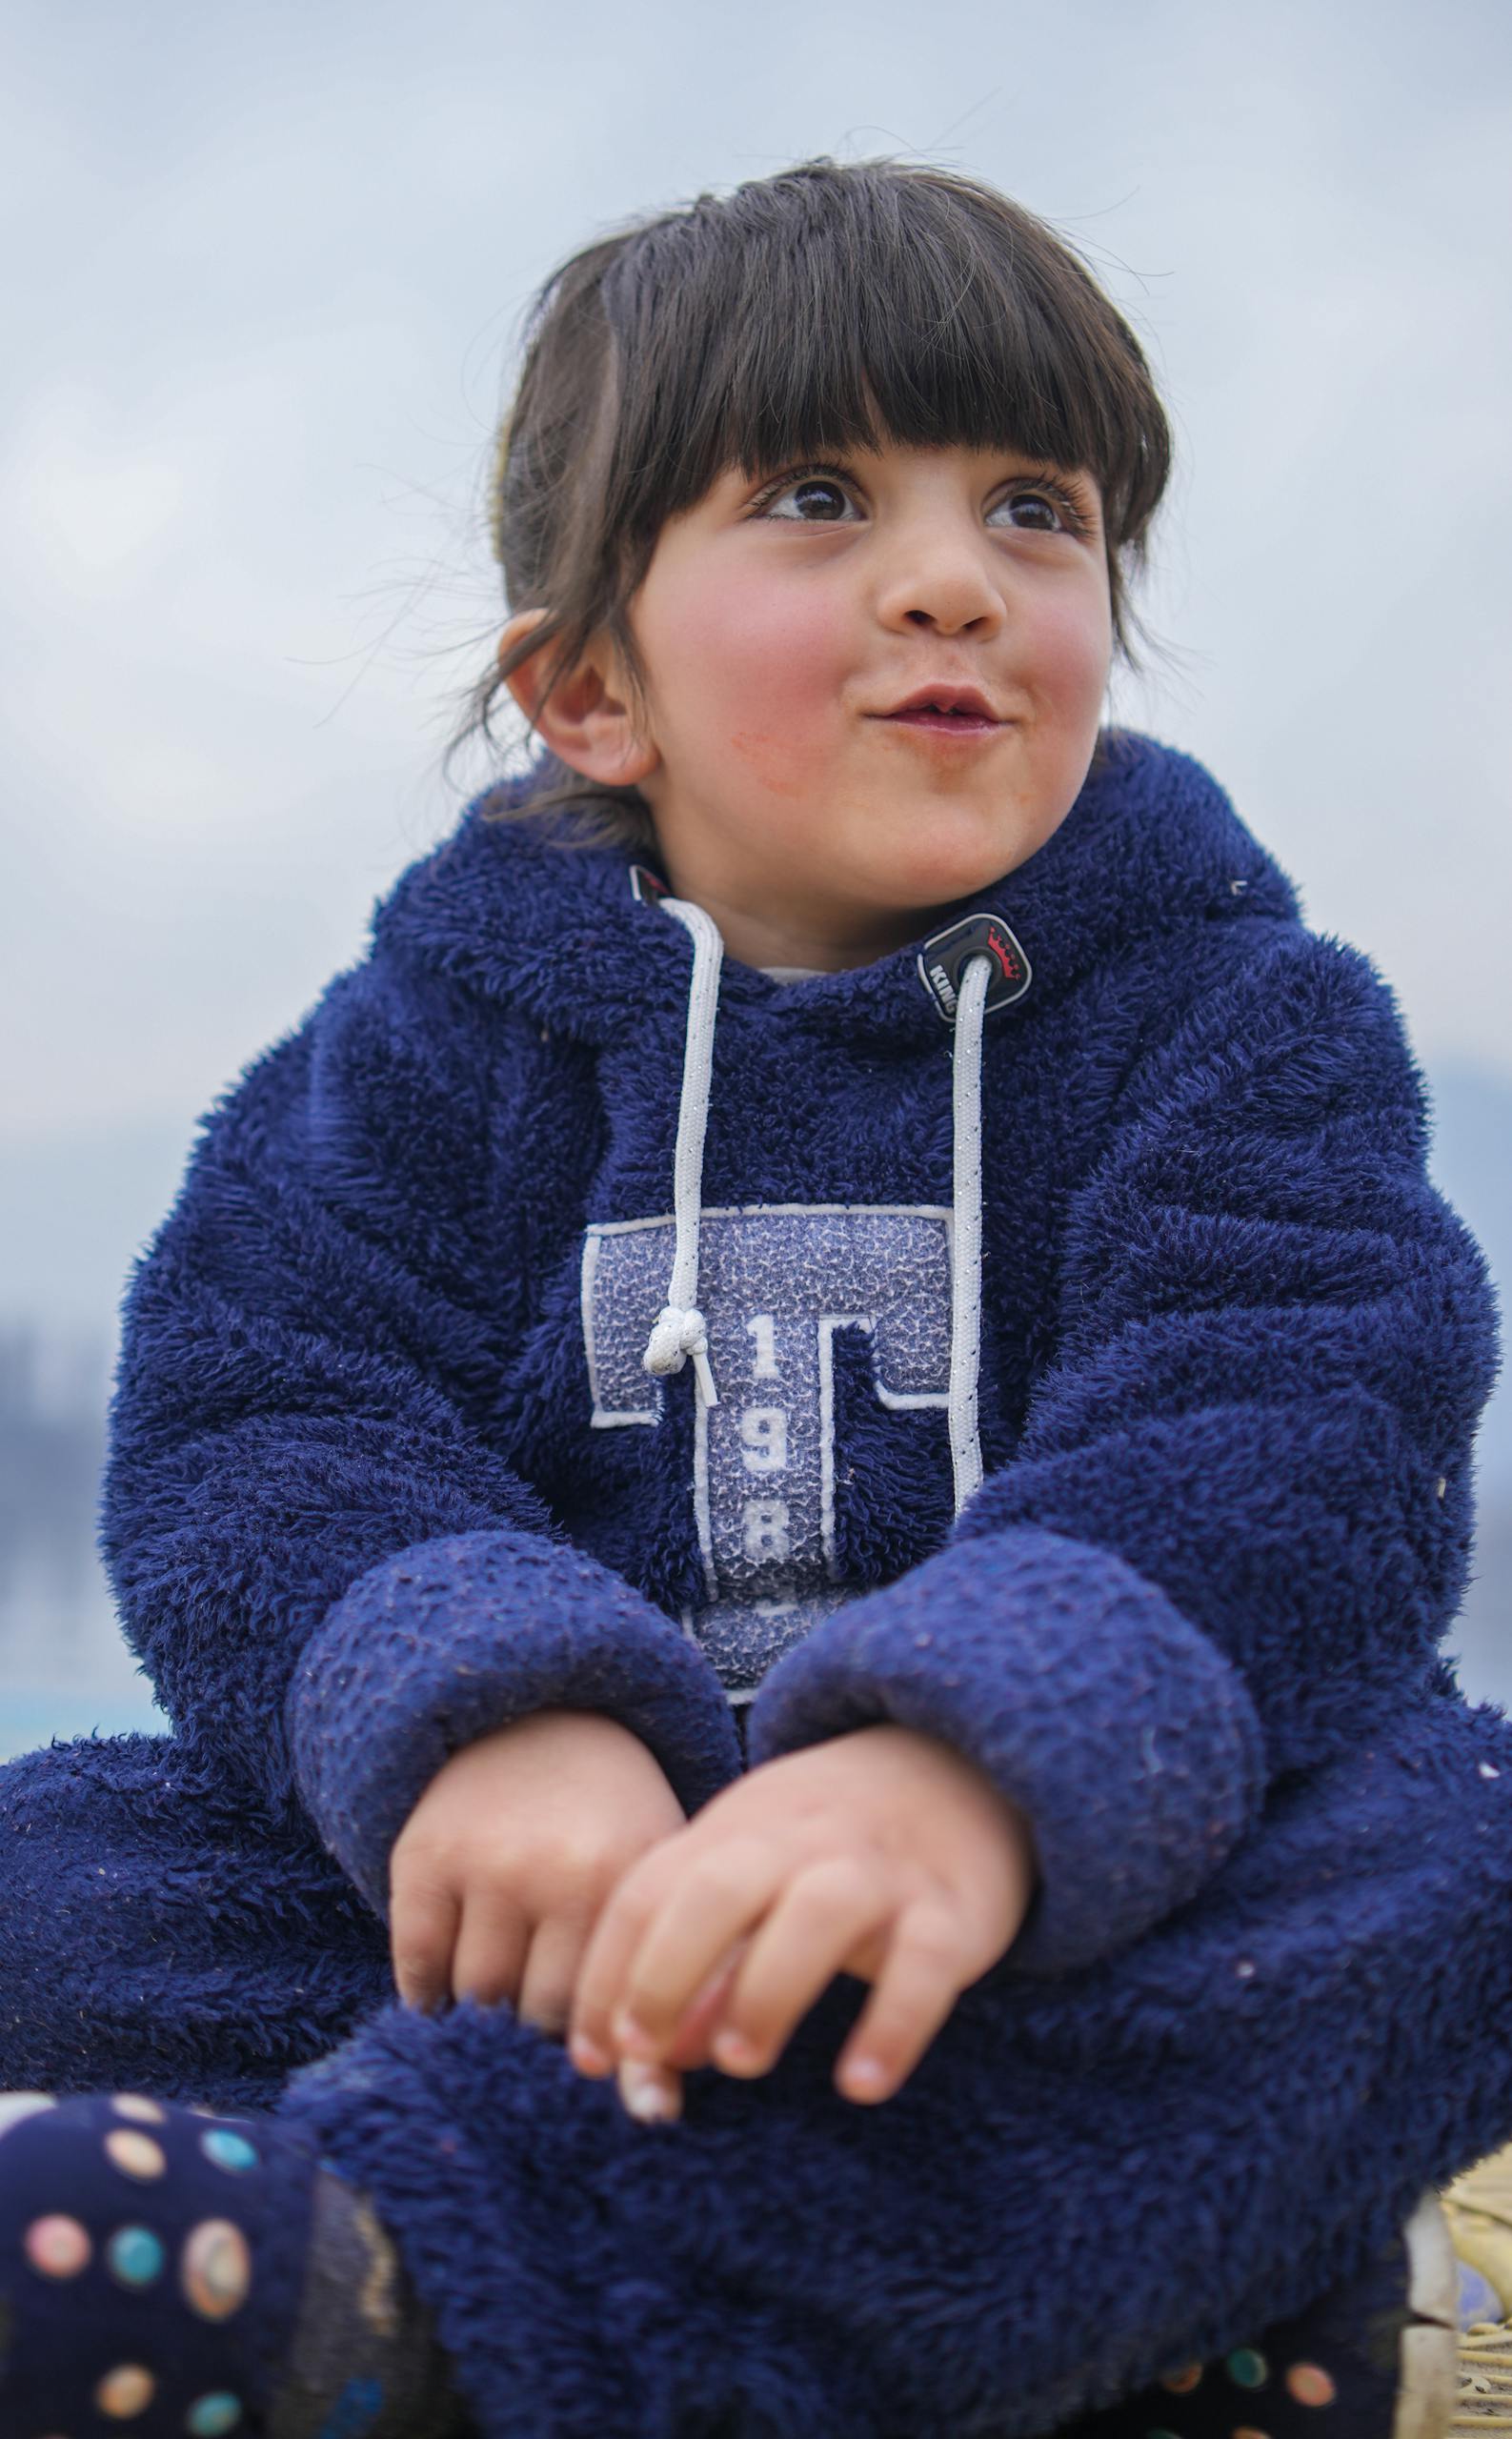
(944, 731)
(962, 724)
(945, 709)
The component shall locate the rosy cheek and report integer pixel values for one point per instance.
(769, 677)
(1072, 655)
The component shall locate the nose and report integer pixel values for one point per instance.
(938, 575)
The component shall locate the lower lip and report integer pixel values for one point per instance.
(948, 724)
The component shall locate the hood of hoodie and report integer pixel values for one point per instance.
(519, 911)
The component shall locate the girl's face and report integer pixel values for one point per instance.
(783, 623)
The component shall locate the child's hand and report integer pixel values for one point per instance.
(498, 1875)
(882, 1853)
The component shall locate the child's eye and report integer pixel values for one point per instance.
(808, 482)
(1051, 509)
(1037, 505)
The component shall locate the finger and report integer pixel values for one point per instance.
(926, 1970)
(691, 2042)
(653, 2094)
(714, 1901)
(491, 1946)
(423, 1921)
(550, 1974)
(612, 1942)
(690, 2045)
(618, 1933)
(828, 1913)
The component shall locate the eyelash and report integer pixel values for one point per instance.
(1043, 485)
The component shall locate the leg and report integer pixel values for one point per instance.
(1382, 2353)
(187, 2273)
(1088, 2183)
(160, 1933)
(161, 1938)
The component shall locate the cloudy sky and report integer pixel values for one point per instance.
(265, 276)
(267, 271)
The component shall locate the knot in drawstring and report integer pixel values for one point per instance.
(677, 1332)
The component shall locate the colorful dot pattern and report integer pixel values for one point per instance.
(1310, 2383)
(135, 2155)
(126, 2392)
(228, 2151)
(213, 2414)
(134, 2257)
(57, 2247)
(214, 2262)
(139, 2112)
(216, 2271)
(1306, 2384)
(1181, 2383)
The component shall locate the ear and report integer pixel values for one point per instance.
(586, 719)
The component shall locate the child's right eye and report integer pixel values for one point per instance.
(807, 479)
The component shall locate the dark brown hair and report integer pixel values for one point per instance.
(753, 329)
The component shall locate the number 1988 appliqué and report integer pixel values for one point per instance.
(775, 1285)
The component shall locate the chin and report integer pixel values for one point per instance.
(938, 871)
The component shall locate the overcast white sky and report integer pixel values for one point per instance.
(266, 270)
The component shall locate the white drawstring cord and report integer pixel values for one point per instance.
(965, 1267)
(679, 1331)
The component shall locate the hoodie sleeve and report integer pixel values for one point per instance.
(1238, 1518)
(333, 1575)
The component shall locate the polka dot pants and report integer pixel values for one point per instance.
(1336, 2370)
(170, 2271)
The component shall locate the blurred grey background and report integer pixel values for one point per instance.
(264, 277)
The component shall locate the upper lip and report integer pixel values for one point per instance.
(943, 698)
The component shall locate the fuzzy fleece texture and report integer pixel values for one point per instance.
(367, 1497)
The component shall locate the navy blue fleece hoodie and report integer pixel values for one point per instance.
(386, 1469)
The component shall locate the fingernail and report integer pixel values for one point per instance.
(732, 2050)
(864, 2077)
(645, 2096)
(587, 2056)
(633, 2036)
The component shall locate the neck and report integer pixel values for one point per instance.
(765, 934)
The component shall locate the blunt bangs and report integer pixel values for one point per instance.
(816, 314)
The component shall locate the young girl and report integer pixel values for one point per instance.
(797, 1465)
